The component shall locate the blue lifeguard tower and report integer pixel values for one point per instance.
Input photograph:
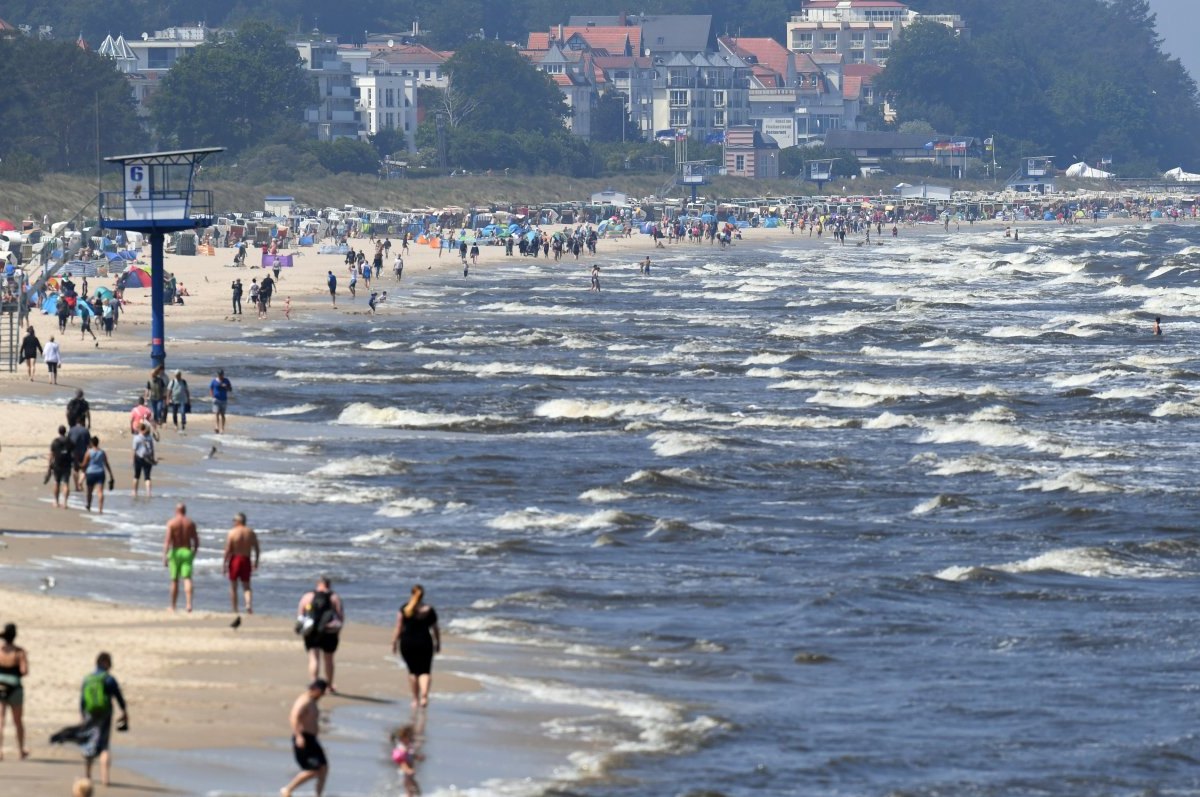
(158, 197)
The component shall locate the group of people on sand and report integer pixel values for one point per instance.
(321, 616)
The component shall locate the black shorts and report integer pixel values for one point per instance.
(95, 478)
(311, 756)
(62, 475)
(327, 643)
(141, 468)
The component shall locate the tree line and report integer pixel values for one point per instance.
(1086, 80)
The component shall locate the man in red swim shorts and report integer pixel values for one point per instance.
(241, 543)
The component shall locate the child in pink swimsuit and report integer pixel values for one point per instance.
(404, 756)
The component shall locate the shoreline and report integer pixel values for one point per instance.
(34, 421)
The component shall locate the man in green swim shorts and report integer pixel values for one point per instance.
(179, 551)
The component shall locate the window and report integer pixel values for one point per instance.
(739, 163)
(389, 99)
(829, 41)
(718, 118)
(679, 118)
(882, 40)
(427, 73)
(679, 99)
(858, 41)
(159, 58)
(858, 57)
(802, 41)
(718, 99)
(370, 98)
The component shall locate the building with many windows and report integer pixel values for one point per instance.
(861, 31)
(703, 94)
(335, 115)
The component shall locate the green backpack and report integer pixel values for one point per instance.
(96, 700)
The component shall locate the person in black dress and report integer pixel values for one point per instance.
(417, 639)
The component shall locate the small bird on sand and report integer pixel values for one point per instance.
(237, 623)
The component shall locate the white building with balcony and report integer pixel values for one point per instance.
(388, 101)
(335, 115)
(861, 31)
(703, 94)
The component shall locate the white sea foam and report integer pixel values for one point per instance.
(998, 435)
(1186, 409)
(381, 345)
(508, 369)
(674, 444)
(405, 507)
(603, 495)
(362, 414)
(767, 359)
(1074, 481)
(534, 518)
(1084, 562)
(888, 420)
(358, 466)
(1118, 393)
(335, 376)
(299, 409)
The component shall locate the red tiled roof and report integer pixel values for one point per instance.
(851, 87)
(612, 38)
(769, 78)
(5, 26)
(864, 71)
(767, 52)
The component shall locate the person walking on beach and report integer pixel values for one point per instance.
(140, 414)
(62, 461)
(417, 639)
(180, 401)
(14, 665)
(143, 459)
(31, 349)
(80, 438)
(322, 617)
(237, 296)
(100, 690)
(95, 465)
(52, 356)
(398, 267)
(331, 281)
(240, 544)
(78, 408)
(156, 394)
(219, 388)
(306, 749)
(180, 544)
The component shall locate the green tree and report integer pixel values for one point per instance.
(62, 106)
(506, 91)
(388, 141)
(610, 122)
(234, 92)
(344, 155)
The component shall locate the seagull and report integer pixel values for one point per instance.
(212, 452)
(237, 622)
(47, 583)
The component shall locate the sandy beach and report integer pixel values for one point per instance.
(192, 681)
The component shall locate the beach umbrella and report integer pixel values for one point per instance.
(7, 226)
(137, 277)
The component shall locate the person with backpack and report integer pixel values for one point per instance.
(100, 690)
(320, 619)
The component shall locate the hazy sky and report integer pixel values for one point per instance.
(1179, 27)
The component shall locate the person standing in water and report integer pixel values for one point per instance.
(1157, 325)
(595, 278)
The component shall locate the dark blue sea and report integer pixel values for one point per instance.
(796, 518)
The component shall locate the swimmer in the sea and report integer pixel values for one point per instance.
(1157, 325)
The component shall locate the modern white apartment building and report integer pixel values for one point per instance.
(703, 94)
(861, 31)
(388, 101)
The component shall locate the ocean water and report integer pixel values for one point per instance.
(912, 519)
